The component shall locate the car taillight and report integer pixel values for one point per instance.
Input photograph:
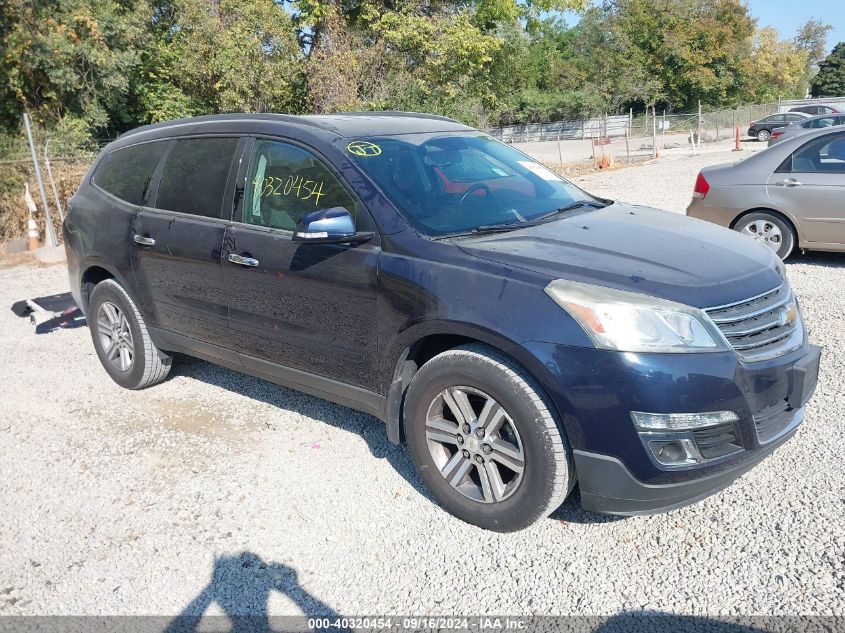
(777, 133)
(701, 187)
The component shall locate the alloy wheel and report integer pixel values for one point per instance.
(766, 232)
(115, 336)
(475, 444)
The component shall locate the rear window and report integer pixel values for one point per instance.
(194, 176)
(127, 172)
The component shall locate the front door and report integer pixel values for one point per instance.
(811, 186)
(177, 241)
(306, 307)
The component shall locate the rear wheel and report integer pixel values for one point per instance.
(486, 441)
(770, 229)
(121, 338)
(764, 135)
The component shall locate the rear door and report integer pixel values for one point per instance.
(177, 240)
(810, 185)
(306, 307)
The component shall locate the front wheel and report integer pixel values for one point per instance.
(769, 229)
(763, 136)
(485, 439)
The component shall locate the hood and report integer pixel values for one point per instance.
(642, 250)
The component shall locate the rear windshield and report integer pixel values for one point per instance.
(447, 184)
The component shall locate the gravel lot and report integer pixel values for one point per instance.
(215, 486)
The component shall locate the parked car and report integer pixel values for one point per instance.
(786, 196)
(515, 331)
(813, 123)
(762, 129)
(816, 109)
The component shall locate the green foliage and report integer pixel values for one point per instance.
(92, 68)
(830, 80)
(776, 68)
(69, 57)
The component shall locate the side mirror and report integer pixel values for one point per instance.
(329, 226)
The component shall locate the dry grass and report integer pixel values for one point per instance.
(13, 211)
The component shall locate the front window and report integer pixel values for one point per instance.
(449, 184)
(286, 182)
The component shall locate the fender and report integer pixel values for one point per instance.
(405, 366)
(97, 262)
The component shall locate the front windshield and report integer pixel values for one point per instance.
(449, 184)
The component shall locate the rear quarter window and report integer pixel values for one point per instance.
(126, 172)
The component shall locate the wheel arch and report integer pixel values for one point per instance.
(93, 272)
(428, 343)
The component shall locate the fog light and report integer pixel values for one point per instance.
(675, 452)
(680, 421)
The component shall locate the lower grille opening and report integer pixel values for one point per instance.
(718, 441)
(772, 421)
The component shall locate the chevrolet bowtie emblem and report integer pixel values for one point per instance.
(787, 315)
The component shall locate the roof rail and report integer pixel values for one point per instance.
(392, 113)
(211, 118)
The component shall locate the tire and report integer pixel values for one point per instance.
(769, 228)
(763, 136)
(113, 316)
(513, 500)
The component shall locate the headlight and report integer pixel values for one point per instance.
(632, 322)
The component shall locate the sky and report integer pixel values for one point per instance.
(787, 15)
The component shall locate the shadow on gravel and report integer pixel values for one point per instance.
(660, 622)
(368, 427)
(571, 512)
(241, 587)
(818, 258)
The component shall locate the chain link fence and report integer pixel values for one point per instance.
(712, 125)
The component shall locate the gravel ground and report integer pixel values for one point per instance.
(215, 487)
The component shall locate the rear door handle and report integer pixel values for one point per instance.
(144, 240)
(789, 182)
(243, 261)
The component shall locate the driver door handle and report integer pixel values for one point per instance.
(789, 182)
(242, 261)
(143, 240)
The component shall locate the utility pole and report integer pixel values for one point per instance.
(653, 132)
(699, 121)
(48, 221)
(53, 183)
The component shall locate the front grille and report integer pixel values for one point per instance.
(761, 327)
(717, 441)
(774, 421)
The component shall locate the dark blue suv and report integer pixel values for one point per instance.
(517, 332)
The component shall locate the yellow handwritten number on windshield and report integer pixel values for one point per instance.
(363, 148)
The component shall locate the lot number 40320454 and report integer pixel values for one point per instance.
(296, 186)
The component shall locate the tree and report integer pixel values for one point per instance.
(812, 38)
(830, 80)
(67, 59)
(776, 68)
(674, 51)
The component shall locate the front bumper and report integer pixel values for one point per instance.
(595, 391)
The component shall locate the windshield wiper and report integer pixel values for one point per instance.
(513, 226)
(598, 204)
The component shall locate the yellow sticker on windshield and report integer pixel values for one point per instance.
(363, 148)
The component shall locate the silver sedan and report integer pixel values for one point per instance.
(792, 194)
(802, 127)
